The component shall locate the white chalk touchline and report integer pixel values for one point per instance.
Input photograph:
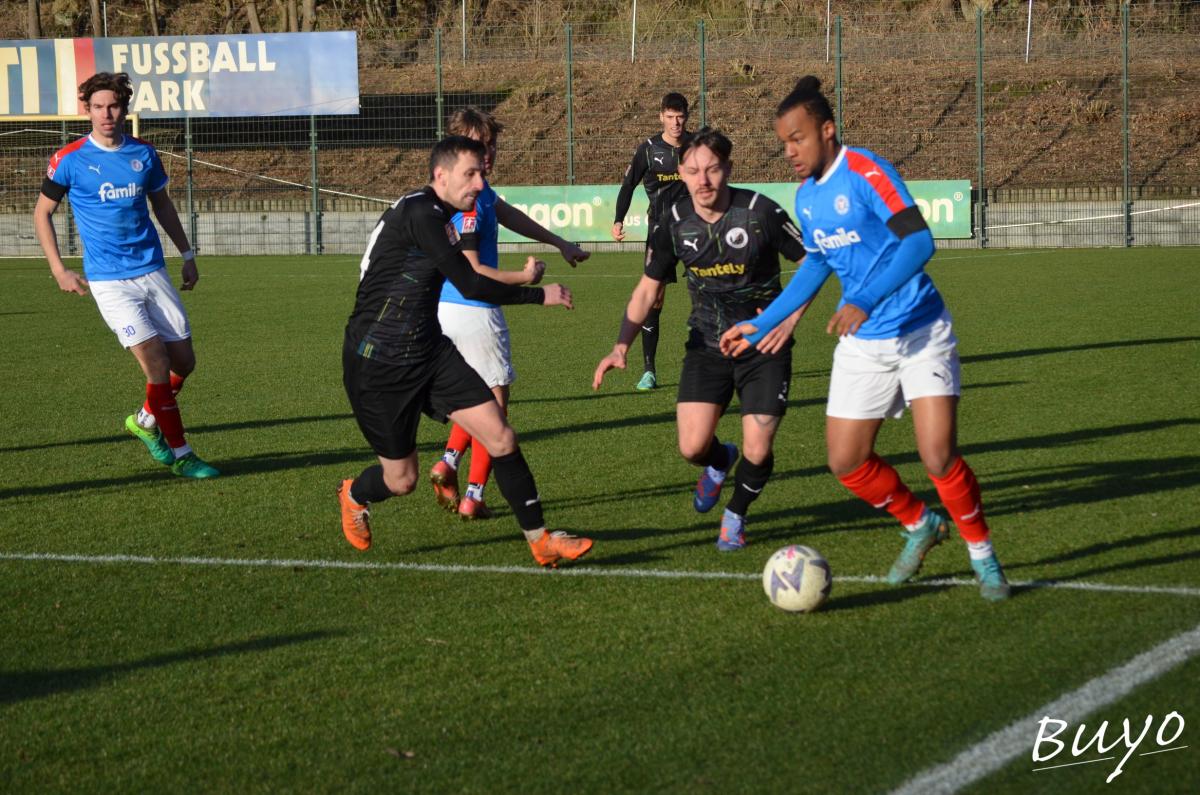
(580, 570)
(997, 750)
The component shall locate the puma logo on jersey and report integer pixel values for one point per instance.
(94, 168)
(692, 244)
(807, 213)
(658, 159)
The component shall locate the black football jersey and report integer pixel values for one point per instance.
(656, 165)
(731, 266)
(413, 249)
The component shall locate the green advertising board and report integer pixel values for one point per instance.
(584, 213)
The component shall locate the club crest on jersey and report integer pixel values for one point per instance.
(841, 204)
(136, 165)
(469, 223)
(737, 237)
(839, 239)
(452, 234)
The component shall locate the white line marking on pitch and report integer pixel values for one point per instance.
(582, 570)
(1000, 748)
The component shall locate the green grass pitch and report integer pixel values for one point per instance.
(1080, 416)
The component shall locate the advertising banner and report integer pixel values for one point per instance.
(272, 74)
(584, 213)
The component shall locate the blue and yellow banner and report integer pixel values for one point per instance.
(273, 74)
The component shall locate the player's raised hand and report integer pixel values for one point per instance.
(534, 269)
(573, 254)
(618, 232)
(71, 282)
(614, 361)
(557, 295)
(191, 274)
(733, 341)
(846, 320)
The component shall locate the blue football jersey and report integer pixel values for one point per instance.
(480, 232)
(107, 189)
(843, 217)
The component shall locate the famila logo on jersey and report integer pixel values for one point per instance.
(839, 239)
(109, 192)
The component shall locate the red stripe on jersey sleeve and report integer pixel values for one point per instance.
(58, 156)
(877, 179)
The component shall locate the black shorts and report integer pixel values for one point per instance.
(761, 380)
(670, 278)
(388, 399)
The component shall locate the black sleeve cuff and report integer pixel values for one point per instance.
(52, 190)
(907, 222)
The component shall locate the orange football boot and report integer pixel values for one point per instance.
(355, 518)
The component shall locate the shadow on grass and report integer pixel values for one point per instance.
(878, 596)
(1110, 546)
(16, 686)
(1090, 346)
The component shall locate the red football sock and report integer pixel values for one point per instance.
(481, 463)
(880, 485)
(166, 413)
(459, 439)
(959, 491)
(176, 386)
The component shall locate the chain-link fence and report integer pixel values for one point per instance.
(1075, 127)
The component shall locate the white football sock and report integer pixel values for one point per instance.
(979, 550)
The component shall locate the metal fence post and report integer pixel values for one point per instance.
(1127, 193)
(319, 246)
(191, 183)
(981, 195)
(570, 109)
(633, 35)
(703, 80)
(441, 100)
(838, 74)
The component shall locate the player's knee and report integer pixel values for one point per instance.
(842, 463)
(693, 451)
(756, 452)
(938, 462)
(504, 443)
(400, 483)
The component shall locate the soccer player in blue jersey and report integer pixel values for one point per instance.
(109, 176)
(896, 345)
(477, 328)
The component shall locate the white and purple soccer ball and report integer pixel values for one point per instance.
(797, 579)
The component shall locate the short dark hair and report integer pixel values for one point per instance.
(118, 83)
(807, 92)
(712, 138)
(465, 121)
(446, 151)
(676, 102)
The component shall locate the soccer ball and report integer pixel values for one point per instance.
(797, 579)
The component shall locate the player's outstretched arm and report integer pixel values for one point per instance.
(633, 175)
(515, 220)
(68, 280)
(636, 310)
(455, 266)
(168, 219)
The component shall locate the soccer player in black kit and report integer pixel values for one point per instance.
(397, 364)
(729, 241)
(656, 165)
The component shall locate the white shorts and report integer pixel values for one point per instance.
(141, 308)
(873, 379)
(481, 336)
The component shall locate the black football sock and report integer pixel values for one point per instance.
(717, 456)
(369, 486)
(516, 484)
(650, 338)
(749, 482)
